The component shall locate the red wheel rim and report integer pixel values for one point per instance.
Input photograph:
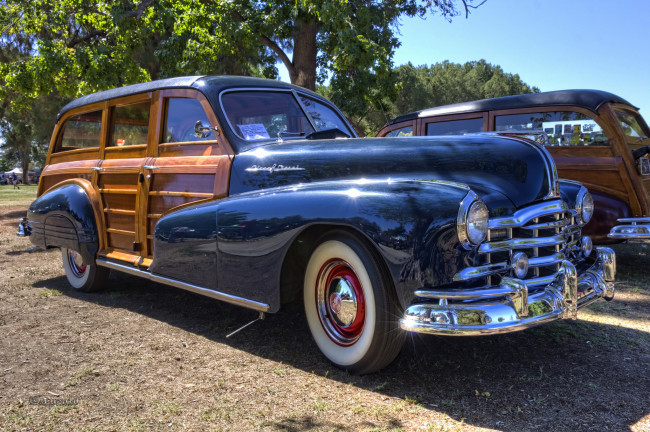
(340, 302)
(76, 266)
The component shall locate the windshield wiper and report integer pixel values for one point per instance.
(283, 134)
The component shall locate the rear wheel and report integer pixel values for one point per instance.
(83, 277)
(350, 306)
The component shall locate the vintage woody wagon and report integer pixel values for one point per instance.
(595, 137)
(257, 192)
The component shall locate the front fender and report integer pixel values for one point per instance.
(410, 223)
(608, 209)
(66, 217)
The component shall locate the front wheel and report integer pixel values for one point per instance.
(350, 306)
(83, 277)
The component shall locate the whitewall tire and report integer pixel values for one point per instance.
(350, 306)
(82, 277)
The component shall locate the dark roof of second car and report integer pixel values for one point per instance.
(588, 99)
(207, 84)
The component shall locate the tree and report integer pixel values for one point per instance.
(350, 42)
(445, 83)
(82, 46)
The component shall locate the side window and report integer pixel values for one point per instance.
(322, 116)
(563, 128)
(81, 131)
(455, 127)
(130, 124)
(401, 132)
(182, 115)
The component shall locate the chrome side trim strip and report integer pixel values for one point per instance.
(228, 298)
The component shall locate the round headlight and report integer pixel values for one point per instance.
(585, 205)
(472, 221)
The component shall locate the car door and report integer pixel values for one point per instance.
(181, 167)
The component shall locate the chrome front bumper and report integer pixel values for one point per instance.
(509, 307)
(634, 228)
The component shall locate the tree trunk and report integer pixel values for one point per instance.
(25, 166)
(304, 55)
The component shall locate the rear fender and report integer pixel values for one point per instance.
(66, 216)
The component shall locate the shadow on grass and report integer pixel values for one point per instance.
(15, 215)
(575, 375)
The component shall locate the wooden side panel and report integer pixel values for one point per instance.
(117, 184)
(59, 171)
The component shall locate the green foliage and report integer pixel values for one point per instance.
(444, 83)
(69, 48)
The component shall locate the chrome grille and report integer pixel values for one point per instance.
(546, 232)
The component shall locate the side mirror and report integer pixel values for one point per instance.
(202, 129)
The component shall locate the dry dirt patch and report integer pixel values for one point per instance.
(142, 356)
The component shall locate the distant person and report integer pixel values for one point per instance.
(14, 180)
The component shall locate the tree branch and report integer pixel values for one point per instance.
(272, 45)
(467, 6)
(139, 11)
(76, 40)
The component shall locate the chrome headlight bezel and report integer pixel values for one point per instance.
(472, 221)
(584, 206)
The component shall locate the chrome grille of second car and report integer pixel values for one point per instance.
(546, 232)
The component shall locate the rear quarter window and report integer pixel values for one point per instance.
(130, 125)
(81, 131)
(563, 128)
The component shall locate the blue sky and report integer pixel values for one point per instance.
(551, 44)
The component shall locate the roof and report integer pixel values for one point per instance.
(206, 84)
(588, 99)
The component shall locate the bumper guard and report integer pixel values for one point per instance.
(634, 228)
(486, 312)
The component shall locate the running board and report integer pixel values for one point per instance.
(239, 301)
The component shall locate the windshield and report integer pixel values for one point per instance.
(262, 115)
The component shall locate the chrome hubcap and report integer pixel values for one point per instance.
(76, 264)
(340, 302)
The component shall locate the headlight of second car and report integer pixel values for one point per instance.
(472, 222)
(584, 205)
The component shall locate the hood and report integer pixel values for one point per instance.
(505, 172)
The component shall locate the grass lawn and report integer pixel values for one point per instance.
(12, 197)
